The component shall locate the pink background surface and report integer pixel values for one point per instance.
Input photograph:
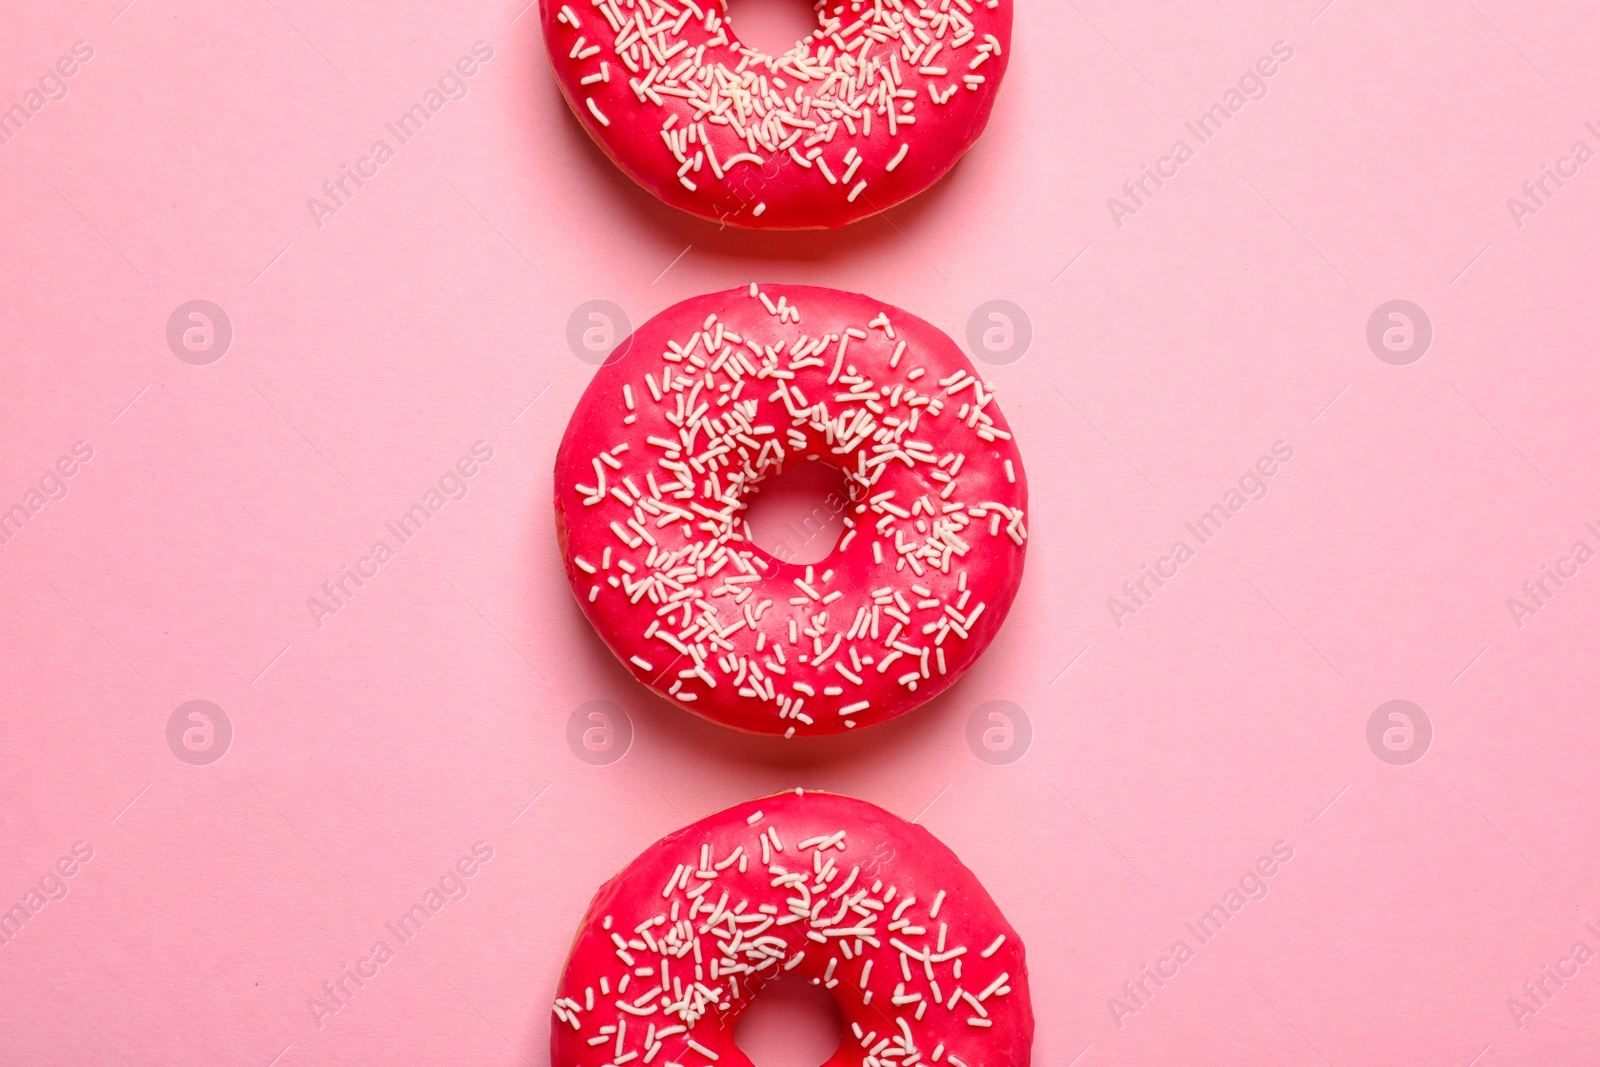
(431, 712)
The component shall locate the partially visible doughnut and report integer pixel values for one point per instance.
(872, 108)
(877, 910)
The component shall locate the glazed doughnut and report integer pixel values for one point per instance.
(714, 395)
(870, 109)
(835, 890)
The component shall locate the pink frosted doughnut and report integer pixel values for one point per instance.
(717, 393)
(870, 109)
(835, 890)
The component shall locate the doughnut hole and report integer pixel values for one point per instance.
(797, 515)
(772, 26)
(790, 1023)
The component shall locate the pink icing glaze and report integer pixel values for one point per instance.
(709, 914)
(797, 141)
(659, 558)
